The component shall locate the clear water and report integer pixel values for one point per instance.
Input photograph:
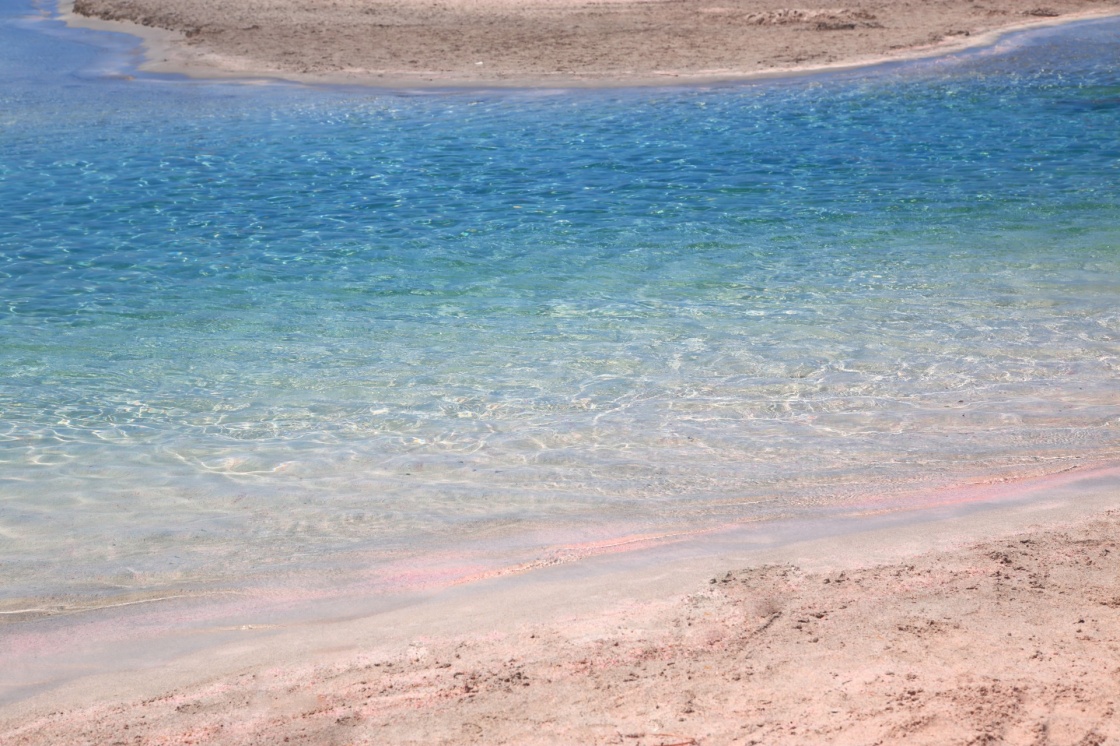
(250, 328)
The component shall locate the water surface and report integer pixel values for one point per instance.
(246, 330)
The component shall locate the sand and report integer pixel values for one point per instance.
(986, 624)
(552, 42)
(982, 627)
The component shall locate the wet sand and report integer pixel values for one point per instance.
(552, 42)
(979, 623)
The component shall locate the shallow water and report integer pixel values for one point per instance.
(252, 329)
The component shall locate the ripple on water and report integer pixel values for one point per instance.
(243, 327)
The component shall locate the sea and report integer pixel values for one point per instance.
(259, 334)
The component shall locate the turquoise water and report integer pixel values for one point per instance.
(246, 329)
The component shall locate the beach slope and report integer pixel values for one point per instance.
(936, 637)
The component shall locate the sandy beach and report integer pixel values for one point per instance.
(998, 623)
(551, 42)
(984, 610)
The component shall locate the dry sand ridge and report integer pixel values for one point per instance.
(552, 42)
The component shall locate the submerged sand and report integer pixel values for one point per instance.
(922, 633)
(553, 42)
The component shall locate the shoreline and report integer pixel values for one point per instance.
(982, 610)
(190, 618)
(196, 617)
(906, 605)
(172, 52)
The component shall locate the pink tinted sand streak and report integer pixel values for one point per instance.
(987, 490)
(457, 570)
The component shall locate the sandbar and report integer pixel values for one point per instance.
(551, 43)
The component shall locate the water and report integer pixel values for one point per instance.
(251, 329)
